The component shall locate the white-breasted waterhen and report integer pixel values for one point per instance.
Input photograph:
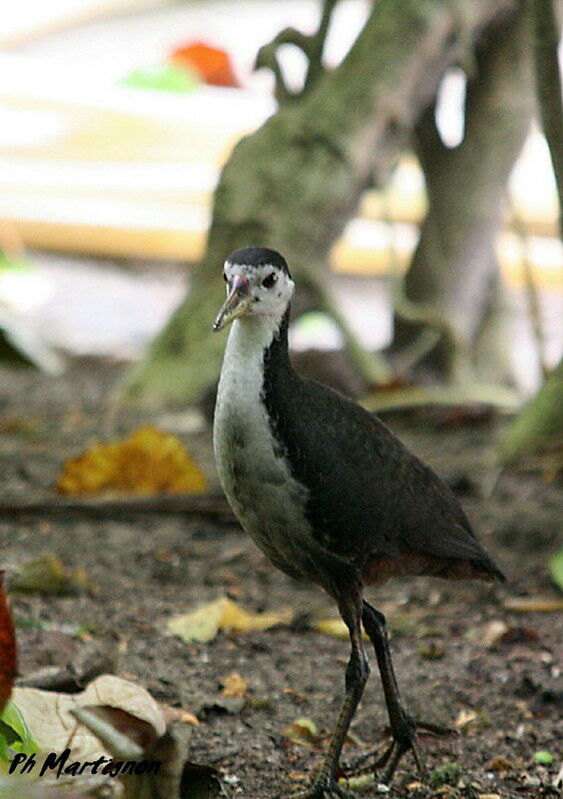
(326, 490)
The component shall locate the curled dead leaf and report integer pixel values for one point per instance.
(146, 462)
(118, 722)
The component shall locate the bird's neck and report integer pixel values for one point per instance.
(256, 354)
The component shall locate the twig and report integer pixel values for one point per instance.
(212, 506)
(312, 46)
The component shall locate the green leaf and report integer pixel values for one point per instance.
(544, 757)
(556, 569)
(14, 735)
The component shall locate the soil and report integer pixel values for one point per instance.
(145, 568)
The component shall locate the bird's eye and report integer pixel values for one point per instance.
(269, 281)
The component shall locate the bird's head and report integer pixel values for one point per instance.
(258, 285)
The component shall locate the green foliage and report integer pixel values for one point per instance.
(544, 757)
(14, 736)
(556, 569)
(446, 774)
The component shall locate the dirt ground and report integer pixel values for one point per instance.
(144, 569)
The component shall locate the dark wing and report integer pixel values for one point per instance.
(369, 496)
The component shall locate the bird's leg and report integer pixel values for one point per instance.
(357, 672)
(403, 726)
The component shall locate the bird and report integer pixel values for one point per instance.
(327, 492)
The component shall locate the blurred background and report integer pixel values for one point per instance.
(113, 134)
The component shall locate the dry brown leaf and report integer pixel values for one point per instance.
(50, 718)
(302, 731)
(531, 604)
(499, 764)
(204, 623)
(234, 685)
(146, 462)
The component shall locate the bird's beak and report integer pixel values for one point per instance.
(237, 303)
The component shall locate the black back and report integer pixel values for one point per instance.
(368, 495)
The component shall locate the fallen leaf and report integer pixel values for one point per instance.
(48, 575)
(431, 652)
(335, 628)
(464, 718)
(302, 731)
(498, 632)
(493, 633)
(146, 462)
(544, 757)
(234, 685)
(533, 604)
(7, 648)
(499, 764)
(117, 721)
(204, 623)
(472, 720)
(200, 625)
(360, 782)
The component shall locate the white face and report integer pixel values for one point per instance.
(271, 288)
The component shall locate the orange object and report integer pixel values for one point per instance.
(144, 463)
(7, 648)
(214, 65)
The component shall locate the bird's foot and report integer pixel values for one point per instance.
(404, 740)
(323, 788)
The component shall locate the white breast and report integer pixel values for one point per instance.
(267, 500)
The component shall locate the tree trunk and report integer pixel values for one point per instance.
(295, 182)
(539, 425)
(454, 279)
